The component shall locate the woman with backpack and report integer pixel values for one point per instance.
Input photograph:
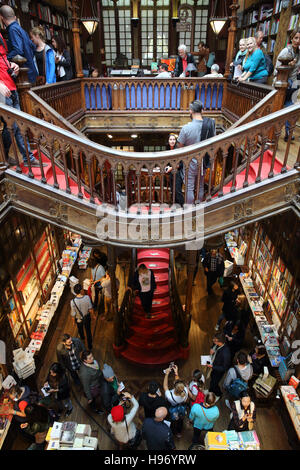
(237, 378)
(243, 414)
(196, 388)
(177, 398)
(203, 416)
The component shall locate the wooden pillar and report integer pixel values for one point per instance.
(231, 37)
(101, 41)
(191, 264)
(111, 265)
(281, 84)
(23, 84)
(76, 40)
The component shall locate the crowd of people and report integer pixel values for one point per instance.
(167, 409)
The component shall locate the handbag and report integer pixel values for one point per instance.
(178, 411)
(135, 441)
(221, 281)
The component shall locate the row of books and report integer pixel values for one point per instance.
(84, 257)
(274, 27)
(44, 13)
(293, 22)
(278, 7)
(232, 440)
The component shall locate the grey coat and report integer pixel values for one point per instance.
(90, 378)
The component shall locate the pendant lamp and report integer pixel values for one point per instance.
(88, 17)
(217, 22)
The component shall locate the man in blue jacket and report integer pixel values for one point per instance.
(18, 42)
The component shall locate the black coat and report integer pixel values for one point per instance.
(63, 356)
(178, 65)
(108, 395)
(222, 360)
(63, 387)
(67, 65)
(229, 308)
(220, 265)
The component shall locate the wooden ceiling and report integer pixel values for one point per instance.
(59, 4)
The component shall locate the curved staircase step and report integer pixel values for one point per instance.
(161, 291)
(153, 359)
(161, 304)
(151, 343)
(161, 278)
(159, 254)
(158, 266)
(159, 330)
(141, 320)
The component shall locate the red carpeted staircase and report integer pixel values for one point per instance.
(153, 341)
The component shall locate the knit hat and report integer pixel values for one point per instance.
(117, 413)
(107, 371)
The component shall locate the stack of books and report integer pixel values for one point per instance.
(68, 434)
(23, 363)
(215, 441)
(249, 440)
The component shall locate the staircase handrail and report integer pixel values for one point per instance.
(181, 319)
(263, 127)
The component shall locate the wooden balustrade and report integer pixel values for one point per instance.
(64, 97)
(103, 175)
(242, 97)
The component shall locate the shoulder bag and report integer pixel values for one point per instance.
(135, 441)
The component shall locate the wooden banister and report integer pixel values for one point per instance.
(148, 173)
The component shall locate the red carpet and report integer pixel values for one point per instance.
(153, 341)
(253, 171)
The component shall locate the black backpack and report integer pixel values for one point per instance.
(269, 65)
(206, 133)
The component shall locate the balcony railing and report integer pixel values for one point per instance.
(72, 99)
(101, 174)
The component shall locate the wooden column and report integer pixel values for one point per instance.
(111, 265)
(281, 85)
(191, 264)
(23, 84)
(76, 40)
(231, 37)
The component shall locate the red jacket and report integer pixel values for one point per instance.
(4, 65)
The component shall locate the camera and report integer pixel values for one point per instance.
(172, 364)
(11, 72)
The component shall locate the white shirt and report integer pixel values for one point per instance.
(176, 399)
(164, 75)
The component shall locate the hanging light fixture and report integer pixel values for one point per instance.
(89, 22)
(217, 22)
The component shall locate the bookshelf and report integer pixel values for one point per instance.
(42, 14)
(274, 20)
(25, 293)
(273, 281)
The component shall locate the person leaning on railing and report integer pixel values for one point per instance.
(254, 66)
(183, 59)
(239, 58)
(292, 52)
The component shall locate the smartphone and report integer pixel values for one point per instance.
(207, 362)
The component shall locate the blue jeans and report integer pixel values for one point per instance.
(191, 179)
(13, 100)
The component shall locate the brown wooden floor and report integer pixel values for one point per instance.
(205, 312)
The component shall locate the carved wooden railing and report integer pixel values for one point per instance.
(262, 108)
(142, 175)
(63, 97)
(73, 99)
(242, 97)
(182, 320)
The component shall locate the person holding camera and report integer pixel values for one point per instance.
(122, 426)
(177, 399)
(243, 414)
(152, 399)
